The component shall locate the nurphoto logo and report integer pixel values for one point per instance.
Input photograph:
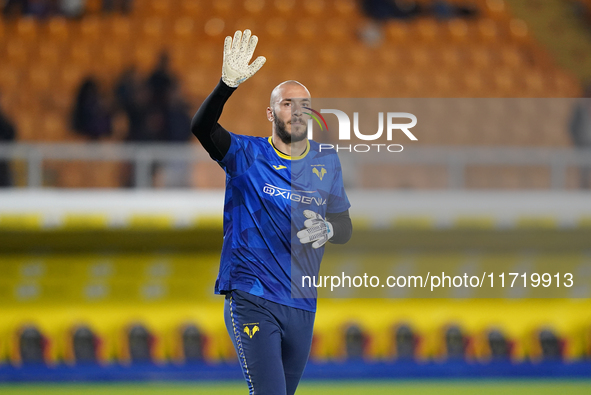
(392, 124)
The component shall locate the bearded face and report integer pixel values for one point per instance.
(296, 129)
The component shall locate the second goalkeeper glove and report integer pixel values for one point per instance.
(317, 230)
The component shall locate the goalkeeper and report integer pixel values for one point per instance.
(284, 200)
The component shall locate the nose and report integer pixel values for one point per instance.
(296, 108)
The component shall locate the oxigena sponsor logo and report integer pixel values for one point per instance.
(392, 123)
(295, 195)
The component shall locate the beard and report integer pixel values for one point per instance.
(284, 135)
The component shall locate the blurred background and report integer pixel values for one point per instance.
(110, 211)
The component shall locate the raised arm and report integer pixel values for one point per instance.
(214, 138)
(237, 54)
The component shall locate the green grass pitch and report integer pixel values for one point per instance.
(517, 387)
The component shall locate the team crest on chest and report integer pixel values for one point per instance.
(319, 170)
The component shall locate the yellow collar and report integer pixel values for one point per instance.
(282, 155)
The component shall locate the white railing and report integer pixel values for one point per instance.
(454, 159)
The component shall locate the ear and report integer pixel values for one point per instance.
(270, 114)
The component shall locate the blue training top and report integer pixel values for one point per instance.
(266, 195)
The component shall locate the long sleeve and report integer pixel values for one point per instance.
(215, 139)
(342, 227)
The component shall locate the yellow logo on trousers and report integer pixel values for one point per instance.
(250, 332)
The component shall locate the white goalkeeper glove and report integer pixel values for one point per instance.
(237, 54)
(318, 230)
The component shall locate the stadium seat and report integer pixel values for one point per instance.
(458, 30)
(112, 57)
(27, 29)
(54, 127)
(512, 57)
(244, 23)
(223, 8)
(84, 343)
(488, 30)
(338, 31)
(49, 54)
(91, 29)
(192, 8)
(284, 6)
(17, 52)
(450, 57)
(140, 342)
(40, 78)
(345, 8)
(306, 30)
(314, 7)
(358, 56)
(153, 31)
(32, 346)
(276, 29)
(481, 57)
(534, 83)
(456, 343)
(71, 76)
(184, 30)
(356, 342)
(254, 7)
(426, 30)
(193, 343)
(58, 30)
(80, 55)
(518, 30)
(119, 29)
(496, 9)
(421, 57)
(504, 83)
(214, 28)
(551, 347)
(396, 32)
(405, 343)
(10, 77)
(85, 221)
(161, 8)
(93, 6)
(145, 54)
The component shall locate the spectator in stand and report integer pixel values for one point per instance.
(582, 10)
(442, 9)
(41, 8)
(7, 134)
(72, 8)
(126, 87)
(91, 117)
(580, 131)
(175, 174)
(178, 117)
(161, 81)
(14, 8)
(133, 97)
(156, 112)
(122, 6)
(381, 10)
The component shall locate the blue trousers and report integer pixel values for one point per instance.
(272, 342)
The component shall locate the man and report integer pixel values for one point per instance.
(7, 135)
(580, 131)
(278, 191)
